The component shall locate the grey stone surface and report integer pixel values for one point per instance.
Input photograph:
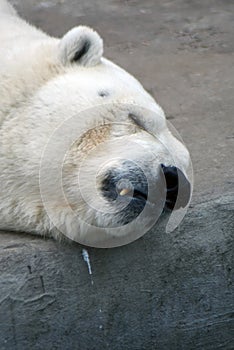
(164, 291)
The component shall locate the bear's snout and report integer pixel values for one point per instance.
(130, 183)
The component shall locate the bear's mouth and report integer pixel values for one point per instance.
(136, 194)
(139, 195)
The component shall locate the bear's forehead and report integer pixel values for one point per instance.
(106, 91)
(104, 73)
(105, 81)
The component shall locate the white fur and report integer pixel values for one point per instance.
(40, 88)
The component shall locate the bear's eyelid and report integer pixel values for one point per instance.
(137, 121)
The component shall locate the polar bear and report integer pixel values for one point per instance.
(85, 151)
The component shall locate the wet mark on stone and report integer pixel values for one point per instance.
(42, 284)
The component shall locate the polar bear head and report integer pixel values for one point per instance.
(109, 165)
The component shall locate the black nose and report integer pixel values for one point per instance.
(128, 186)
(178, 187)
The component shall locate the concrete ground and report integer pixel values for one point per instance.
(164, 291)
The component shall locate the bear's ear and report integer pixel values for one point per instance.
(81, 45)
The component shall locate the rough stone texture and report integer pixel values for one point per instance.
(164, 291)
